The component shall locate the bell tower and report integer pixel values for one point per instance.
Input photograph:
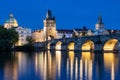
(99, 25)
(50, 26)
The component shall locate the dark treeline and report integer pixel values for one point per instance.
(8, 38)
(26, 48)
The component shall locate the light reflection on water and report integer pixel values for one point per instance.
(57, 65)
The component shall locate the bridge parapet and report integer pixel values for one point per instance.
(98, 41)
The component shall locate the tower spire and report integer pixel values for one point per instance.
(100, 20)
(99, 25)
(49, 15)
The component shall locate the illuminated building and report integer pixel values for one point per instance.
(38, 36)
(64, 33)
(89, 33)
(23, 34)
(50, 26)
(49, 30)
(11, 22)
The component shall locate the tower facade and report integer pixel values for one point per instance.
(50, 26)
(11, 22)
(99, 25)
(99, 28)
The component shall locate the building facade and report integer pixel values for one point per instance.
(64, 33)
(38, 36)
(23, 34)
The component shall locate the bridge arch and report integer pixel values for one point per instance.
(58, 45)
(110, 45)
(71, 45)
(88, 45)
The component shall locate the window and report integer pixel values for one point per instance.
(22, 39)
(22, 32)
(28, 32)
(21, 35)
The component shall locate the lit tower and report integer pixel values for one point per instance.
(50, 26)
(10, 22)
(99, 25)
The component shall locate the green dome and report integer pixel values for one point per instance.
(11, 22)
(11, 19)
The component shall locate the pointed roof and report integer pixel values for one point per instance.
(100, 20)
(49, 15)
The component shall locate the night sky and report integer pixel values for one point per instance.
(69, 13)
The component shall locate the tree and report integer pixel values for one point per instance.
(29, 39)
(8, 38)
(13, 37)
(29, 46)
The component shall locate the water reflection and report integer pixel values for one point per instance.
(45, 65)
(10, 71)
(110, 61)
(87, 60)
(58, 61)
(60, 66)
(71, 63)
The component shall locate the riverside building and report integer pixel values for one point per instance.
(11, 22)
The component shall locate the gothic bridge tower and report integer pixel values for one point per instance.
(50, 26)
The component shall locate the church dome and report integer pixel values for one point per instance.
(12, 20)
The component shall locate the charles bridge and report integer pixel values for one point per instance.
(87, 43)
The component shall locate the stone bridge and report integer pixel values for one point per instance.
(88, 43)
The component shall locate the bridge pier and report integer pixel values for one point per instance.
(77, 47)
(52, 46)
(98, 47)
(64, 47)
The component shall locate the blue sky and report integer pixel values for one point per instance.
(69, 13)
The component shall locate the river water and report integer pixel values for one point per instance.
(57, 65)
